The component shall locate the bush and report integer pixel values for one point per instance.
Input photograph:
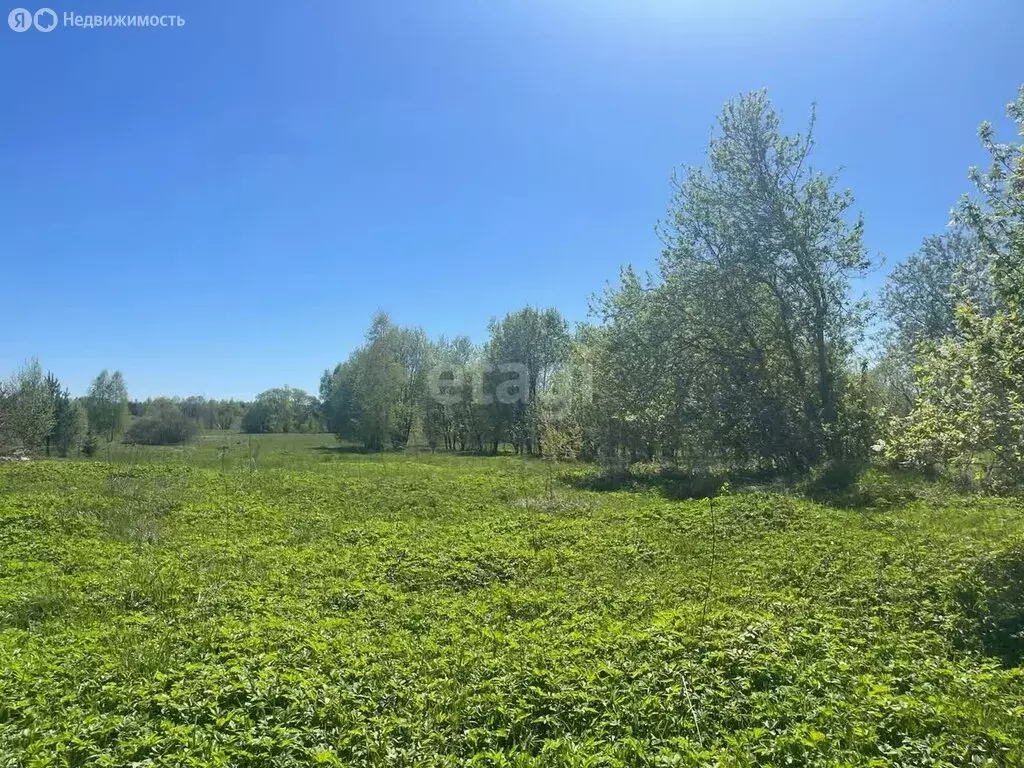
(834, 481)
(281, 410)
(673, 482)
(166, 426)
(968, 418)
(90, 444)
(993, 598)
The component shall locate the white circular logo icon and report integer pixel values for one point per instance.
(20, 20)
(45, 19)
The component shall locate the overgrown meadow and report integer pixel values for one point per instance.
(283, 602)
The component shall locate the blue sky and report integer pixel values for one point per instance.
(219, 209)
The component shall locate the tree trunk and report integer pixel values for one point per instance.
(826, 387)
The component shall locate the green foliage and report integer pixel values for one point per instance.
(379, 393)
(921, 295)
(539, 341)
(209, 414)
(70, 421)
(834, 481)
(107, 405)
(26, 410)
(992, 596)
(997, 219)
(90, 444)
(741, 347)
(454, 395)
(426, 610)
(669, 480)
(969, 415)
(163, 423)
(919, 301)
(226, 413)
(284, 409)
(449, 408)
(969, 412)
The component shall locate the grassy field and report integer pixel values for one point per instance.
(310, 606)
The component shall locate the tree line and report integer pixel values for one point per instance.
(39, 416)
(744, 347)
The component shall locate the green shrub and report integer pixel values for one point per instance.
(833, 480)
(90, 444)
(993, 598)
(167, 425)
(885, 489)
(671, 481)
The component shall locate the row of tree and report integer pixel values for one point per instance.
(283, 409)
(957, 310)
(454, 395)
(207, 413)
(745, 347)
(39, 416)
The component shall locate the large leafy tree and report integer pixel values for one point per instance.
(227, 412)
(339, 399)
(921, 295)
(448, 406)
(525, 350)
(969, 414)
(27, 416)
(996, 213)
(107, 405)
(919, 301)
(641, 368)
(68, 419)
(377, 395)
(282, 409)
(742, 344)
(71, 425)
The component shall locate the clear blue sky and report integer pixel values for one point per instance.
(220, 208)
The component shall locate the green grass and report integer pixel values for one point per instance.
(231, 451)
(173, 607)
